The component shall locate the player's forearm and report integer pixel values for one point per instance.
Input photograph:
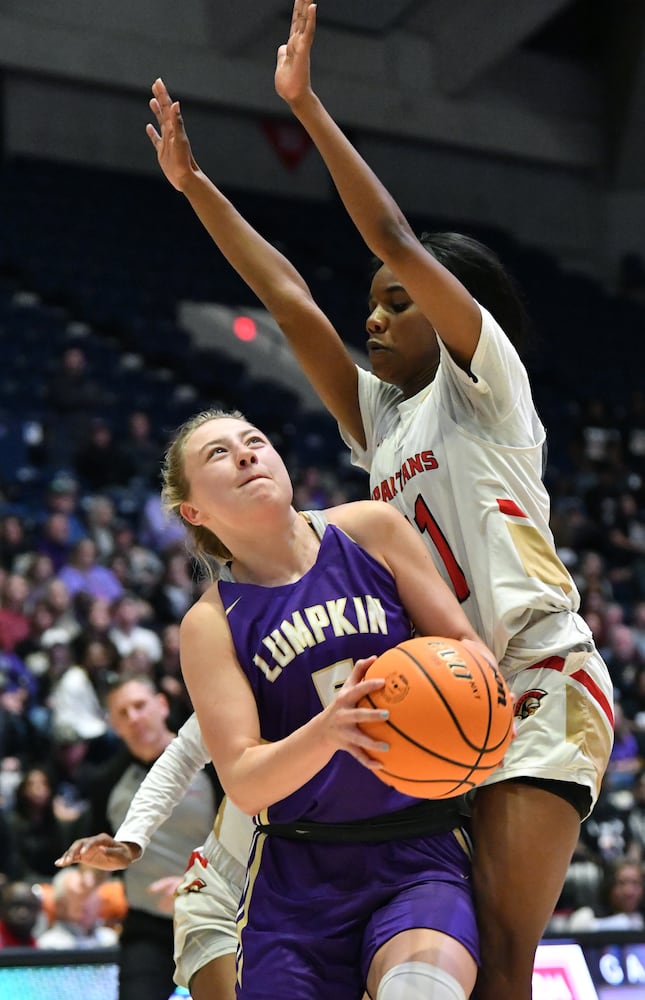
(264, 269)
(265, 774)
(372, 209)
(162, 789)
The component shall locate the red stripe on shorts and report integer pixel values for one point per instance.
(510, 507)
(582, 677)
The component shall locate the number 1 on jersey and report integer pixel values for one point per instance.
(426, 522)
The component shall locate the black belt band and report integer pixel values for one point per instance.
(422, 820)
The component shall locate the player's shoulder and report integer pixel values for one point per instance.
(361, 518)
(206, 610)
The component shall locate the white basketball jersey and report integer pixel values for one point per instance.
(463, 461)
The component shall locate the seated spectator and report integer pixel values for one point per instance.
(625, 761)
(127, 634)
(8, 855)
(158, 530)
(77, 904)
(176, 590)
(581, 887)
(141, 452)
(98, 461)
(20, 908)
(100, 521)
(23, 719)
(170, 678)
(38, 570)
(63, 497)
(142, 568)
(32, 651)
(74, 396)
(14, 620)
(38, 833)
(74, 699)
(60, 601)
(624, 660)
(55, 539)
(14, 543)
(620, 900)
(638, 627)
(626, 550)
(84, 574)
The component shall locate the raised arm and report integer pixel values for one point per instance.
(436, 292)
(254, 774)
(163, 787)
(274, 280)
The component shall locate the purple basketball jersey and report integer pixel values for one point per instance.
(297, 644)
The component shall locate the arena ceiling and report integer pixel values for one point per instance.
(560, 80)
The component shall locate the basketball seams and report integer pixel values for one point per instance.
(444, 695)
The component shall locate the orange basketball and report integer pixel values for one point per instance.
(451, 717)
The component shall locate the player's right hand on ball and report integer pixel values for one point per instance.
(345, 716)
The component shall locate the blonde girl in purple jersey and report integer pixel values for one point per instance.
(350, 885)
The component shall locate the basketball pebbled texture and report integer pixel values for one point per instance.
(451, 717)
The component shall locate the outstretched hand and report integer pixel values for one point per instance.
(292, 75)
(100, 851)
(170, 142)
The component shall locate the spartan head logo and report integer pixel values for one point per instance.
(528, 703)
(195, 886)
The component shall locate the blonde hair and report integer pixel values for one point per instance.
(203, 545)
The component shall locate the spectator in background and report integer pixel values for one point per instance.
(176, 590)
(55, 539)
(76, 906)
(74, 698)
(141, 452)
(8, 856)
(621, 900)
(623, 658)
(63, 497)
(635, 821)
(157, 529)
(38, 570)
(127, 634)
(74, 396)
(20, 908)
(99, 462)
(100, 518)
(14, 542)
(625, 760)
(626, 550)
(14, 620)
(38, 833)
(97, 623)
(143, 566)
(171, 680)
(84, 574)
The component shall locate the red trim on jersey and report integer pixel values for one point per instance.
(510, 507)
(551, 663)
(582, 677)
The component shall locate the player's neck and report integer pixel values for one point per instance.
(279, 559)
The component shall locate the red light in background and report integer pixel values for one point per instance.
(245, 328)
